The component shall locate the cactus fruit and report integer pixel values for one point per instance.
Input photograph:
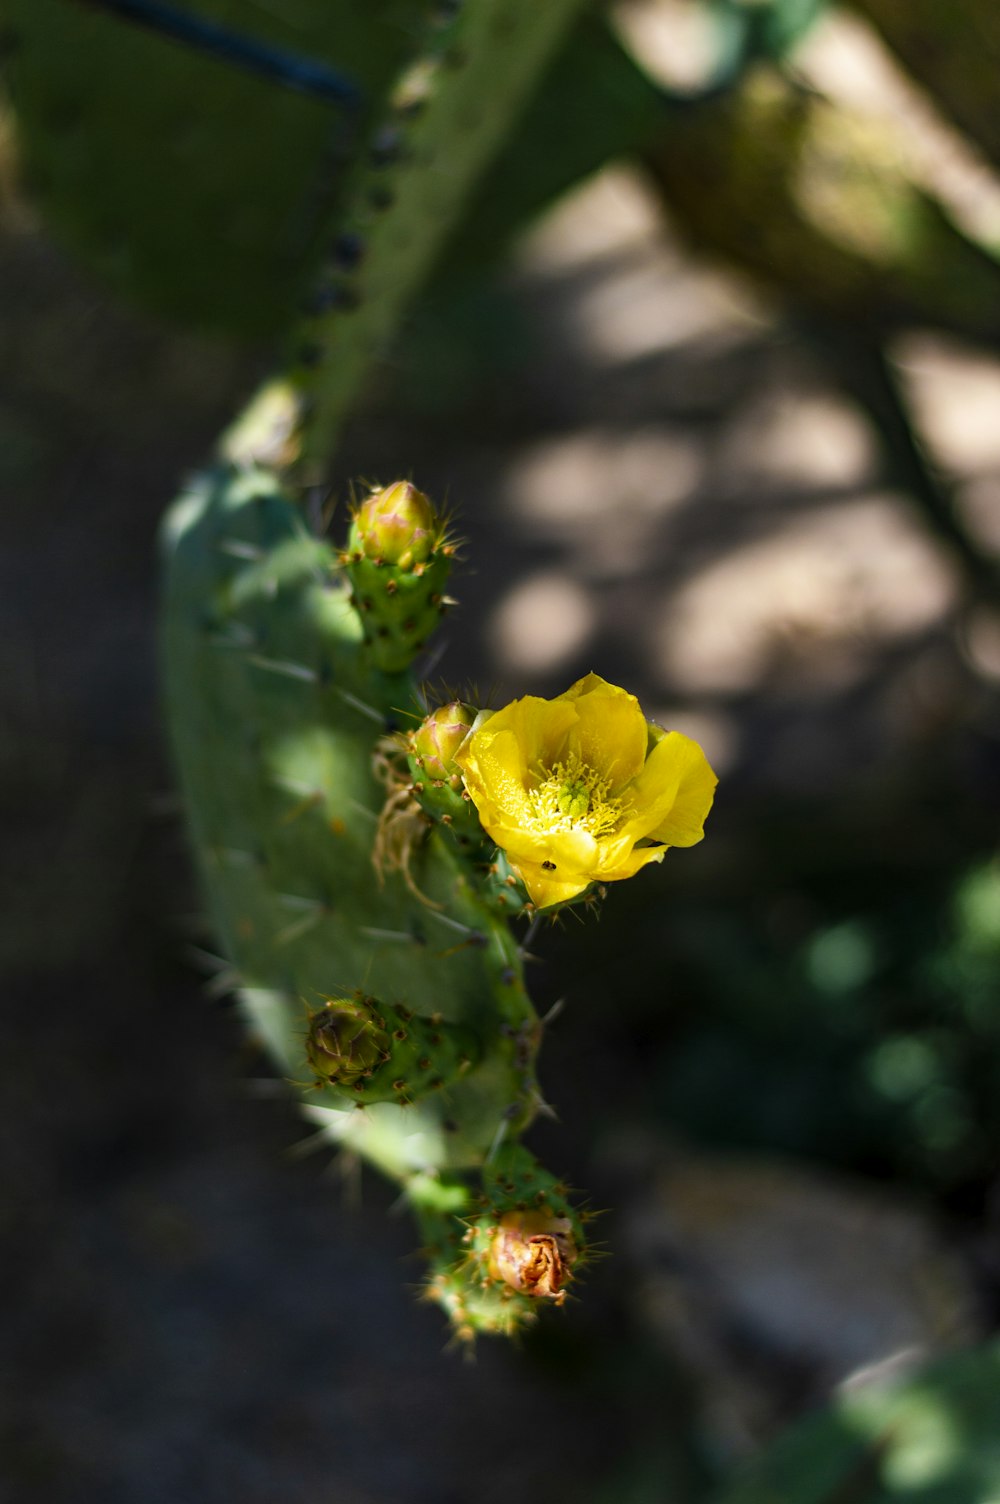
(378, 1052)
(437, 779)
(437, 739)
(522, 1245)
(397, 560)
(529, 1235)
(347, 1041)
(396, 525)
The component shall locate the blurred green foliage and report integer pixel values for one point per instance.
(189, 183)
(871, 1041)
(932, 1440)
(953, 51)
(204, 190)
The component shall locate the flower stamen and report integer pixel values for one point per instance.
(571, 794)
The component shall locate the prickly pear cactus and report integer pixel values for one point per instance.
(450, 111)
(353, 887)
(821, 200)
(367, 860)
(397, 561)
(364, 860)
(356, 897)
(281, 716)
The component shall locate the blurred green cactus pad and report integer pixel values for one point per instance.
(934, 1438)
(187, 181)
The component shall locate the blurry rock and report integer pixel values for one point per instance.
(772, 1285)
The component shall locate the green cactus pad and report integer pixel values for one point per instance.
(277, 715)
(448, 118)
(287, 693)
(191, 184)
(475, 1305)
(503, 888)
(399, 608)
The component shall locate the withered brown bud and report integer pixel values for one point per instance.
(533, 1252)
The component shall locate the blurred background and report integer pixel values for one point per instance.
(711, 378)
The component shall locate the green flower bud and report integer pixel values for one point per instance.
(439, 737)
(397, 525)
(347, 1040)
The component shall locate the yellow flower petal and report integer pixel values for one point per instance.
(611, 734)
(586, 686)
(540, 726)
(627, 865)
(685, 824)
(673, 794)
(493, 768)
(567, 851)
(548, 888)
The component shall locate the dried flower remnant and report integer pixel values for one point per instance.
(533, 1252)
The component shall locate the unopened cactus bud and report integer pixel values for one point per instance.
(439, 737)
(397, 560)
(396, 525)
(437, 779)
(347, 1041)
(533, 1252)
(381, 1052)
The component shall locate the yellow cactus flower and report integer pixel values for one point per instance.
(583, 789)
